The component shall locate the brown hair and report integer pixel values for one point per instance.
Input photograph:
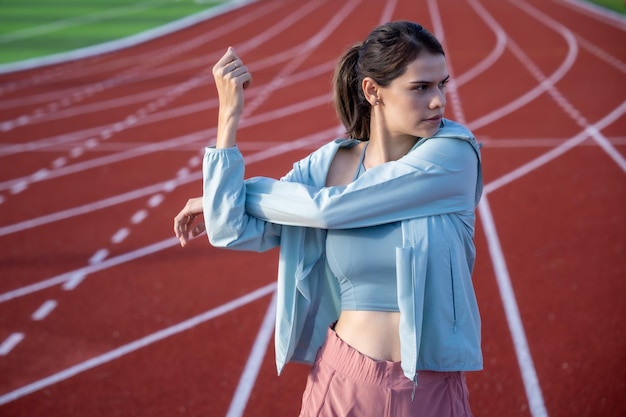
(383, 56)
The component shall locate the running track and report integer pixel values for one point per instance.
(103, 314)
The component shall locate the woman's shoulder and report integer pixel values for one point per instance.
(313, 168)
(328, 150)
(455, 130)
(341, 143)
(450, 129)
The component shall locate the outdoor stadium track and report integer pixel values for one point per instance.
(102, 313)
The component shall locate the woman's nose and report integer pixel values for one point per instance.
(438, 100)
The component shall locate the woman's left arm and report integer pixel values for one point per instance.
(440, 176)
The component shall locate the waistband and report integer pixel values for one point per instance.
(348, 361)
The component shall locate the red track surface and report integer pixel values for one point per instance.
(98, 155)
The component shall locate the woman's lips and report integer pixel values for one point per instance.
(434, 120)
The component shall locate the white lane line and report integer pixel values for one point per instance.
(183, 172)
(99, 256)
(387, 13)
(495, 53)
(171, 185)
(452, 91)
(86, 270)
(43, 311)
(7, 346)
(139, 216)
(568, 107)
(105, 132)
(606, 145)
(304, 142)
(524, 358)
(201, 137)
(548, 83)
(19, 186)
(532, 94)
(195, 161)
(605, 56)
(98, 205)
(253, 365)
(556, 152)
(120, 235)
(59, 162)
(74, 280)
(309, 46)
(41, 174)
(155, 200)
(136, 345)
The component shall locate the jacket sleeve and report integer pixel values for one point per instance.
(438, 177)
(224, 192)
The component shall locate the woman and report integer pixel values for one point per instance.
(375, 233)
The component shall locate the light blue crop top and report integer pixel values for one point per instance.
(364, 262)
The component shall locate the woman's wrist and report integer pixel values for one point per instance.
(227, 131)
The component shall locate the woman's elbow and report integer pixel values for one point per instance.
(221, 238)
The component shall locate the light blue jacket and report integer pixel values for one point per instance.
(433, 191)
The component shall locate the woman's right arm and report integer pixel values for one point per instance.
(224, 206)
(223, 202)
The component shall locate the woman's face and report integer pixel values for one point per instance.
(413, 104)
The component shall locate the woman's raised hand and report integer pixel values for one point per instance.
(231, 78)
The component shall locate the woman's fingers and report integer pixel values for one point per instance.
(185, 219)
(198, 230)
(228, 57)
(181, 226)
(231, 67)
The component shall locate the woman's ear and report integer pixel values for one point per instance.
(370, 90)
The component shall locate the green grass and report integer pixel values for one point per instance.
(35, 28)
(615, 5)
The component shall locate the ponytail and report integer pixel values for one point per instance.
(350, 104)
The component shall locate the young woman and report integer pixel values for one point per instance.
(375, 233)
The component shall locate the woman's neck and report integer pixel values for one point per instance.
(384, 150)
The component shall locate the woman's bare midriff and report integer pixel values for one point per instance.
(373, 333)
